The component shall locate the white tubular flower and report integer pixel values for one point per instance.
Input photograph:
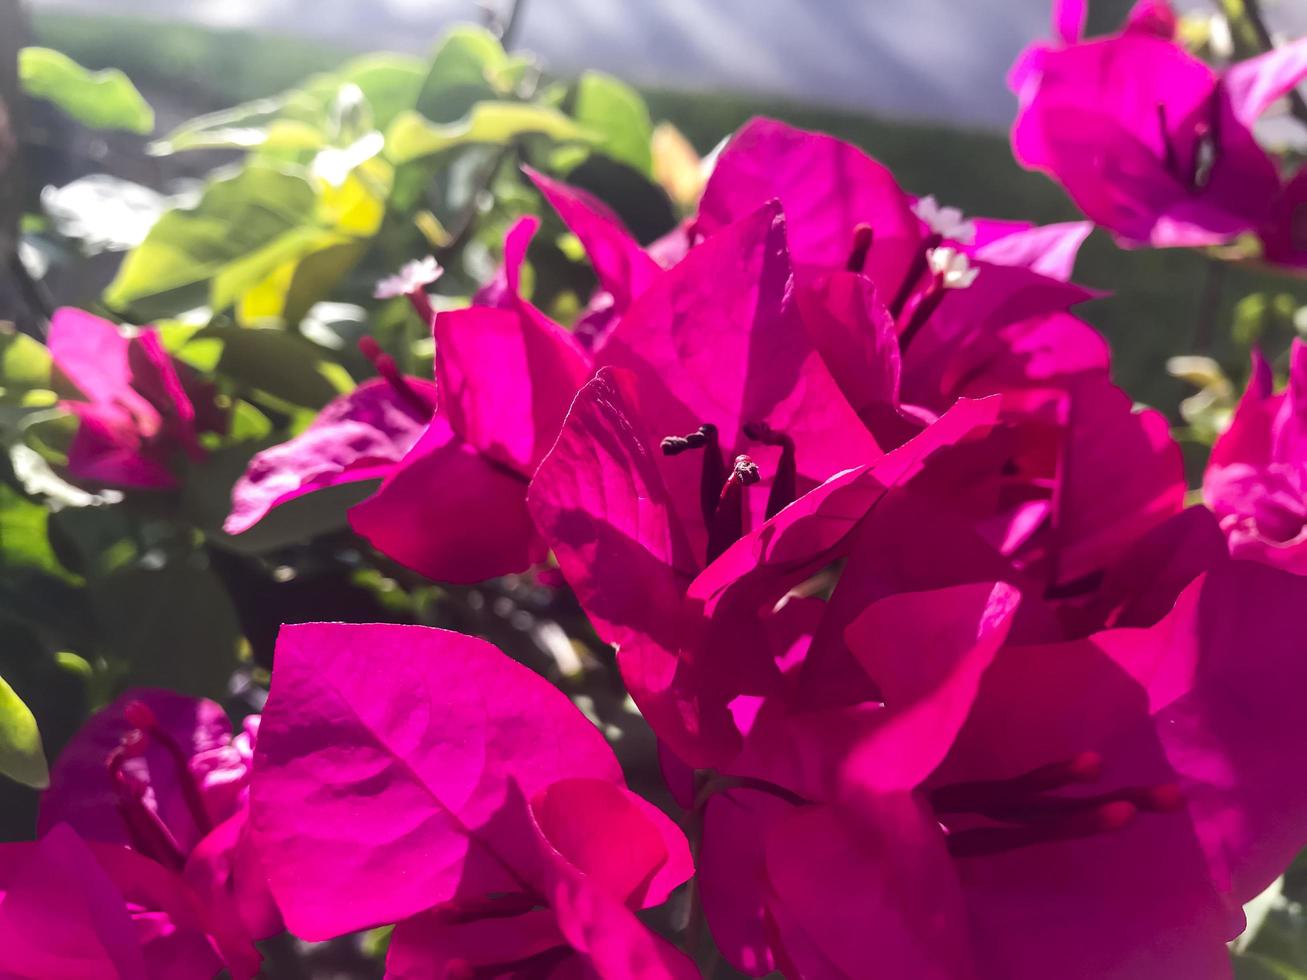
(413, 276)
(951, 267)
(946, 222)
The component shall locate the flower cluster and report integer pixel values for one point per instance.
(138, 410)
(946, 680)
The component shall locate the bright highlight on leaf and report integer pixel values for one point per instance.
(98, 99)
(21, 756)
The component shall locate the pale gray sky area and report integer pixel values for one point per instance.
(935, 59)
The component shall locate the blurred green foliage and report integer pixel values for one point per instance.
(1158, 299)
(100, 99)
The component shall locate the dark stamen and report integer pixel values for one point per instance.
(504, 906)
(976, 796)
(386, 368)
(1208, 141)
(924, 309)
(727, 524)
(714, 469)
(1168, 147)
(1025, 811)
(862, 238)
(784, 487)
(920, 266)
(982, 841)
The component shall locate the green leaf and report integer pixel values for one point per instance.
(282, 364)
(24, 540)
(412, 137)
(241, 229)
(98, 99)
(21, 755)
(1255, 966)
(248, 423)
(171, 627)
(24, 363)
(391, 83)
(615, 111)
(469, 66)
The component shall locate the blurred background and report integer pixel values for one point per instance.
(920, 85)
(937, 60)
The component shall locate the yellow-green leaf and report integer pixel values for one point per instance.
(412, 137)
(236, 234)
(616, 112)
(468, 66)
(24, 363)
(98, 99)
(21, 756)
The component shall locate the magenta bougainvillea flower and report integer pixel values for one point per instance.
(601, 500)
(504, 378)
(1149, 141)
(163, 774)
(497, 831)
(76, 910)
(1086, 787)
(506, 375)
(152, 872)
(1256, 480)
(139, 411)
(913, 306)
(454, 509)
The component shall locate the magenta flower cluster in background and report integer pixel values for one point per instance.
(946, 679)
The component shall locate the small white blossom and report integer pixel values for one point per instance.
(946, 222)
(414, 275)
(952, 267)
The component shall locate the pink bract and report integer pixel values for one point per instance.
(137, 408)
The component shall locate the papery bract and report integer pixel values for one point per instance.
(357, 437)
(162, 774)
(719, 339)
(623, 268)
(1150, 142)
(904, 342)
(601, 501)
(1087, 786)
(1256, 479)
(72, 910)
(454, 457)
(410, 794)
(1284, 237)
